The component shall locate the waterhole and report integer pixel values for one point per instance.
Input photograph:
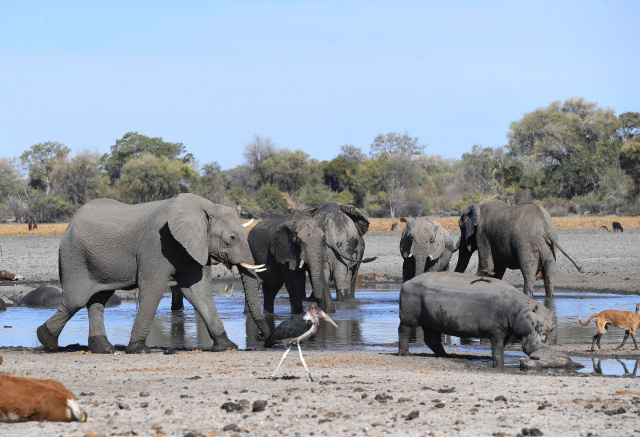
(369, 323)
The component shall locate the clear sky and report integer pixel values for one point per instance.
(311, 75)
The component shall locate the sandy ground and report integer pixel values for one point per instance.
(355, 392)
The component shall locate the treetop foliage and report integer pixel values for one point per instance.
(571, 156)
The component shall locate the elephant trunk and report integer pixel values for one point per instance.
(320, 288)
(251, 286)
(421, 261)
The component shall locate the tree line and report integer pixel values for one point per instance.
(571, 156)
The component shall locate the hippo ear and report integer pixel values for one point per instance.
(283, 247)
(361, 222)
(189, 222)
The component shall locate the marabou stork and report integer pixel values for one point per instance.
(296, 329)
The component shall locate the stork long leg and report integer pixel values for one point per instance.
(303, 363)
(283, 357)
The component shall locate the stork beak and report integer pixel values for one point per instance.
(326, 317)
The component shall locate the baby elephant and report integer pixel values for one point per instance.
(471, 307)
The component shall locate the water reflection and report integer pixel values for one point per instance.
(608, 366)
(370, 322)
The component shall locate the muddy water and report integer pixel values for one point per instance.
(370, 323)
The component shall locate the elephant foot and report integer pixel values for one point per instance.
(138, 347)
(222, 343)
(48, 340)
(99, 344)
(404, 353)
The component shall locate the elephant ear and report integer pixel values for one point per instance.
(405, 242)
(438, 242)
(361, 222)
(283, 247)
(473, 216)
(188, 223)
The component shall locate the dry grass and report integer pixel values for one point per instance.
(22, 230)
(377, 225)
(581, 222)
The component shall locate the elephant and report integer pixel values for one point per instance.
(425, 246)
(290, 246)
(111, 245)
(516, 237)
(471, 307)
(344, 227)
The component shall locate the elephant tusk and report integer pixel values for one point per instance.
(410, 255)
(430, 257)
(301, 264)
(260, 270)
(252, 267)
(244, 225)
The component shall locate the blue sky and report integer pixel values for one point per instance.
(310, 75)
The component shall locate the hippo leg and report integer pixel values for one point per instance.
(404, 333)
(433, 339)
(98, 342)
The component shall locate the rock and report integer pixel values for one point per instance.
(545, 358)
(259, 406)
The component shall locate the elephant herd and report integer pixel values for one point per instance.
(112, 246)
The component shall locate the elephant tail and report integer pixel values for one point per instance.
(588, 321)
(555, 243)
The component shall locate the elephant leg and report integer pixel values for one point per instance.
(98, 342)
(199, 295)
(295, 282)
(498, 340)
(548, 275)
(404, 334)
(148, 300)
(433, 340)
(499, 272)
(343, 282)
(354, 277)
(270, 291)
(529, 276)
(177, 302)
(50, 330)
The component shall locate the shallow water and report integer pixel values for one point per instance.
(370, 323)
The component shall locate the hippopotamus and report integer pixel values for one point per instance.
(471, 307)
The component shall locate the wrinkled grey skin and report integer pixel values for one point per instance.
(111, 245)
(281, 243)
(516, 237)
(425, 246)
(471, 307)
(344, 227)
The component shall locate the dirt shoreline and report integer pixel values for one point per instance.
(372, 392)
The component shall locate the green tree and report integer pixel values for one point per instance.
(40, 161)
(146, 178)
(630, 160)
(10, 179)
(398, 155)
(271, 200)
(569, 145)
(211, 184)
(79, 178)
(255, 153)
(132, 145)
(287, 170)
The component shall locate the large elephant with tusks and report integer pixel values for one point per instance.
(112, 246)
(471, 307)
